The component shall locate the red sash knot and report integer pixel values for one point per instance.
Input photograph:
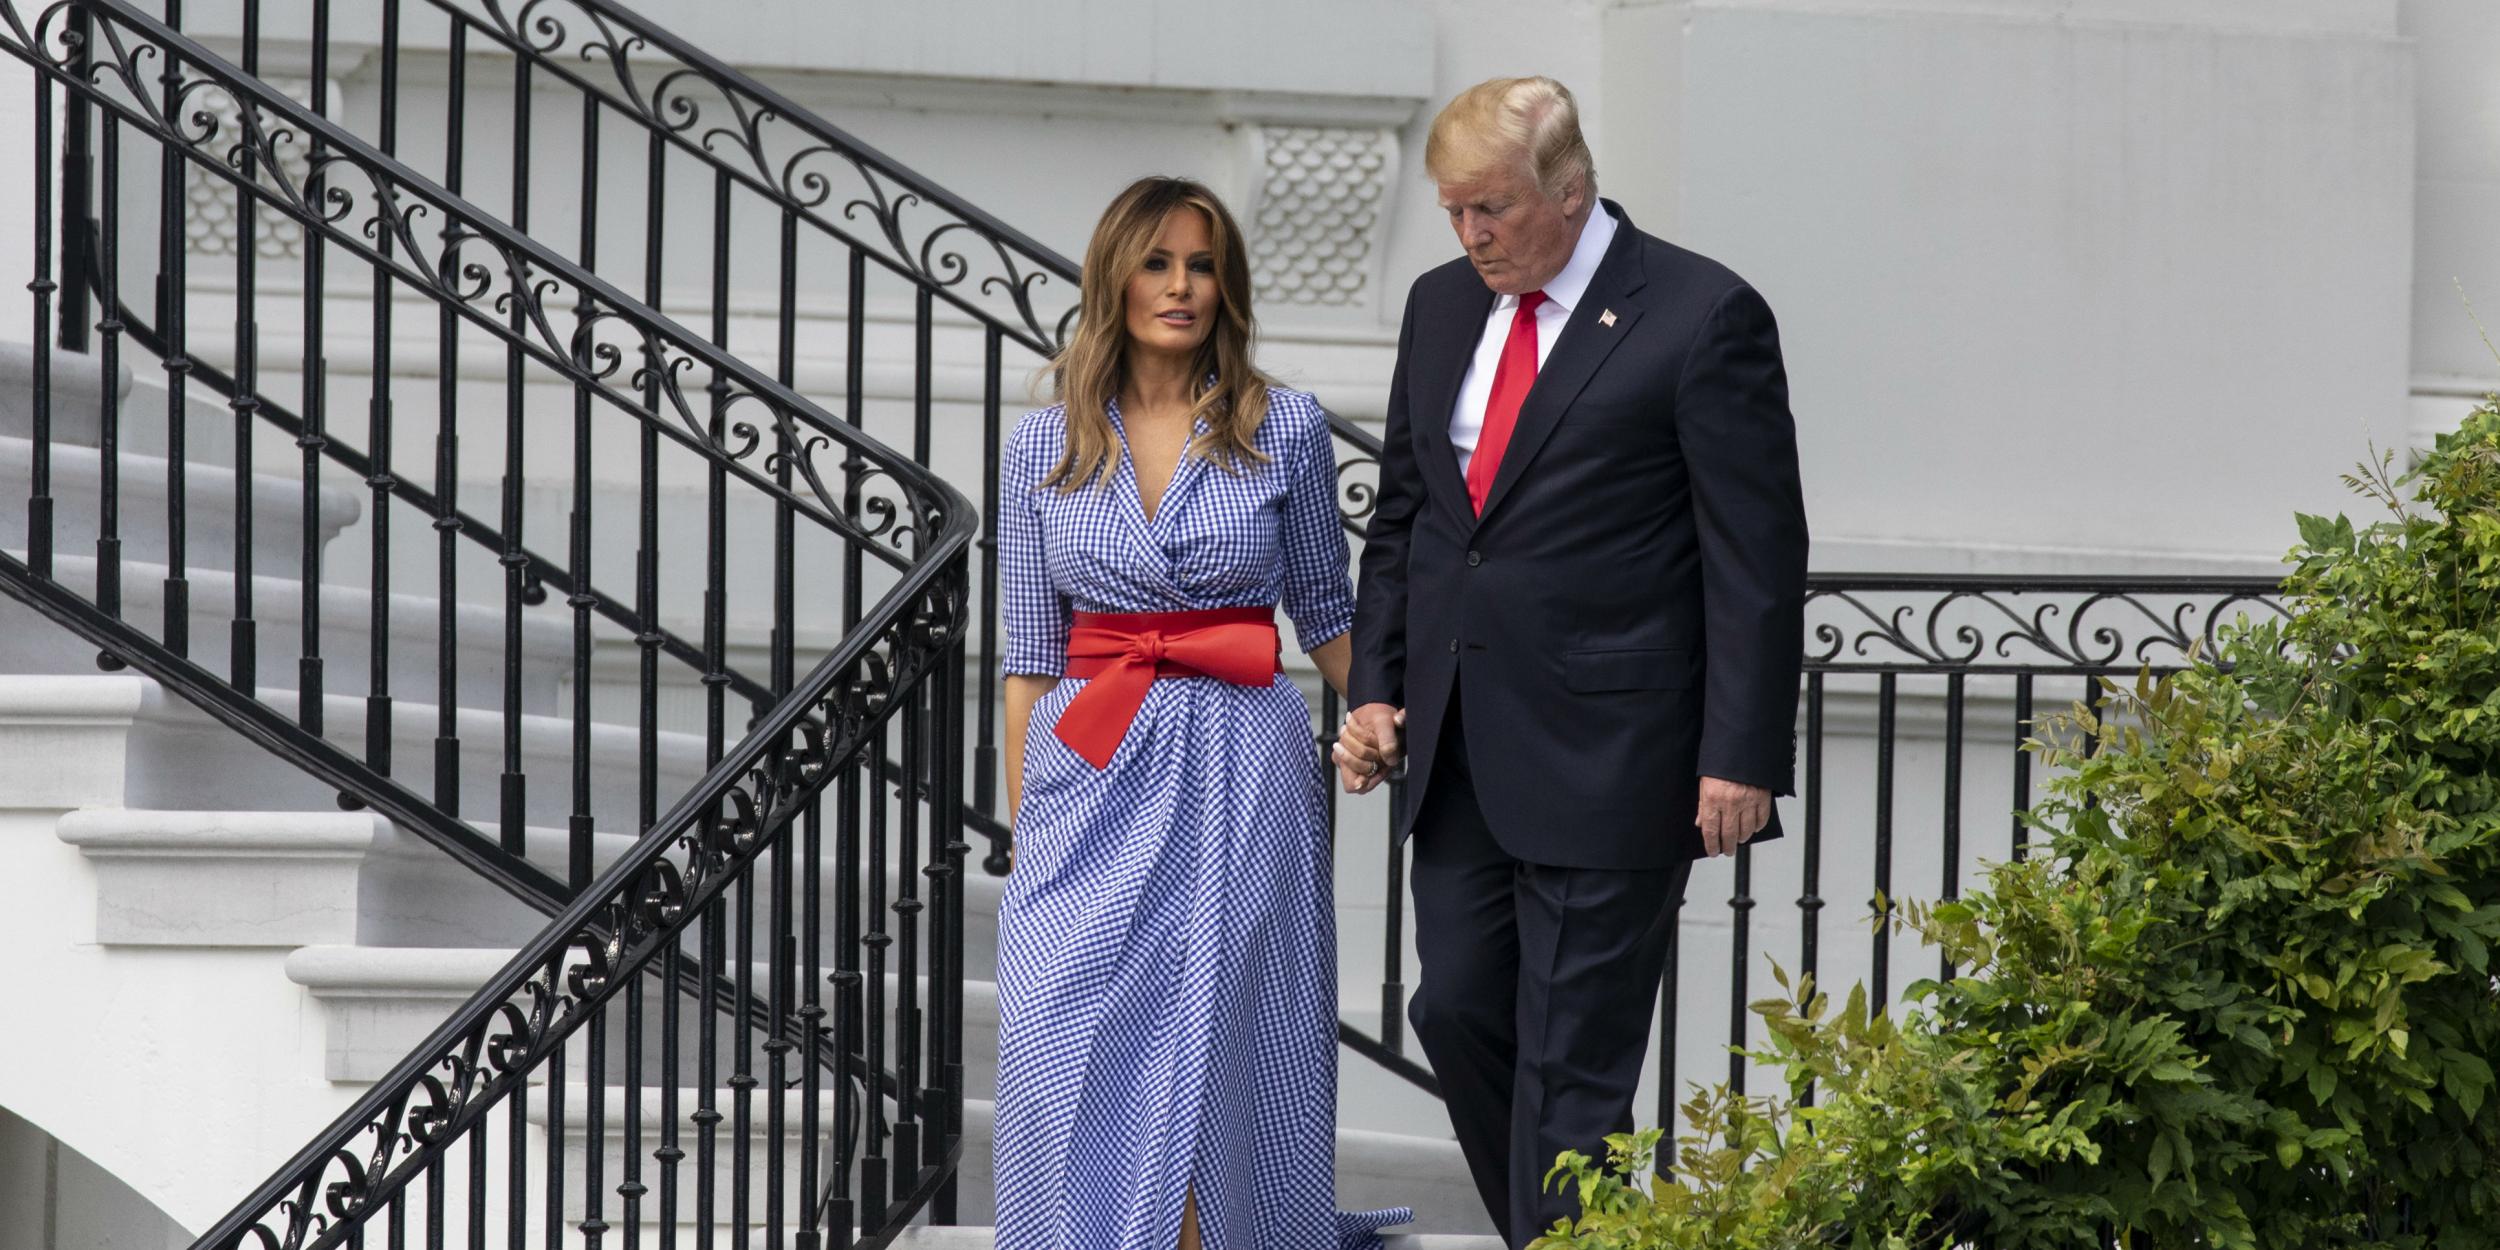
(1120, 654)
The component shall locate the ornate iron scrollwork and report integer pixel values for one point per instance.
(2019, 624)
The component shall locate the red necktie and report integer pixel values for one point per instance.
(1511, 380)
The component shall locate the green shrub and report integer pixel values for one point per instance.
(2245, 1000)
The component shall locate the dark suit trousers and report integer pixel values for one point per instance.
(1538, 987)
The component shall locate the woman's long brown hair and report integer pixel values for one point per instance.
(1088, 372)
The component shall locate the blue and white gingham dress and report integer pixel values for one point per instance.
(1166, 962)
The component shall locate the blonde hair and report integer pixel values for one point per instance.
(1088, 372)
(1496, 121)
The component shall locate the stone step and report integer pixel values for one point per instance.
(142, 495)
(178, 757)
(30, 643)
(222, 878)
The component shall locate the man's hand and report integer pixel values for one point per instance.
(1731, 812)
(1370, 747)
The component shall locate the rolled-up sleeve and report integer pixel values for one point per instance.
(1033, 613)
(1318, 590)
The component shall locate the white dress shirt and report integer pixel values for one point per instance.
(1561, 296)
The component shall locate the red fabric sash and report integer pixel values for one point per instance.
(1122, 653)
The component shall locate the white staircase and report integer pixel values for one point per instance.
(213, 952)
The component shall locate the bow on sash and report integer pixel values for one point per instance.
(1121, 654)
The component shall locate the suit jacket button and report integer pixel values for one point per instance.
(1474, 558)
(1453, 646)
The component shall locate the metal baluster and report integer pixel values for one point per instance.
(379, 476)
(855, 412)
(716, 485)
(477, 1185)
(648, 638)
(790, 442)
(1955, 692)
(875, 1184)
(630, 1187)
(985, 754)
(670, 1153)
(1887, 701)
(173, 304)
(39, 499)
(907, 910)
(594, 1225)
(78, 176)
(1330, 718)
(1393, 929)
(310, 441)
(1740, 924)
(553, 1221)
(841, 1215)
(707, 1116)
(517, 581)
(923, 305)
(447, 451)
(243, 633)
(948, 823)
(777, 1045)
(1810, 901)
(434, 1203)
(2022, 763)
(516, 1164)
(714, 682)
(108, 572)
(854, 1000)
(1668, 1011)
(581, 600)
(648, 641)
(811, 1017)
(742, 1080)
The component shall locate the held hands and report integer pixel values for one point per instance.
(1371, 748)
(1731, 812)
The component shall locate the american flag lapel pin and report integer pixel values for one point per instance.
(1606, 318)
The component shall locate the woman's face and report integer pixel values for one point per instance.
(1172, 300)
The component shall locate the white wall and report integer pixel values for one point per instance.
(2059, 284)
(2457, 209)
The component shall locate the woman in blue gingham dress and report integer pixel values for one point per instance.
(1167, 974)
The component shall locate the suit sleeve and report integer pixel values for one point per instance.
(1740, 442)
(1379, 670)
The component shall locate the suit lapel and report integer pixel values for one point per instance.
(1449, 347)
(1604, 318)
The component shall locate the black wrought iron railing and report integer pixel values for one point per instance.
(780, 913)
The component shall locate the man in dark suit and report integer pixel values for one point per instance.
(1579, 628)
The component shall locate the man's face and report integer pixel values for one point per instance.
(1517, 237)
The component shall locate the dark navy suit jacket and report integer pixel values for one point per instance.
(1627, 614)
